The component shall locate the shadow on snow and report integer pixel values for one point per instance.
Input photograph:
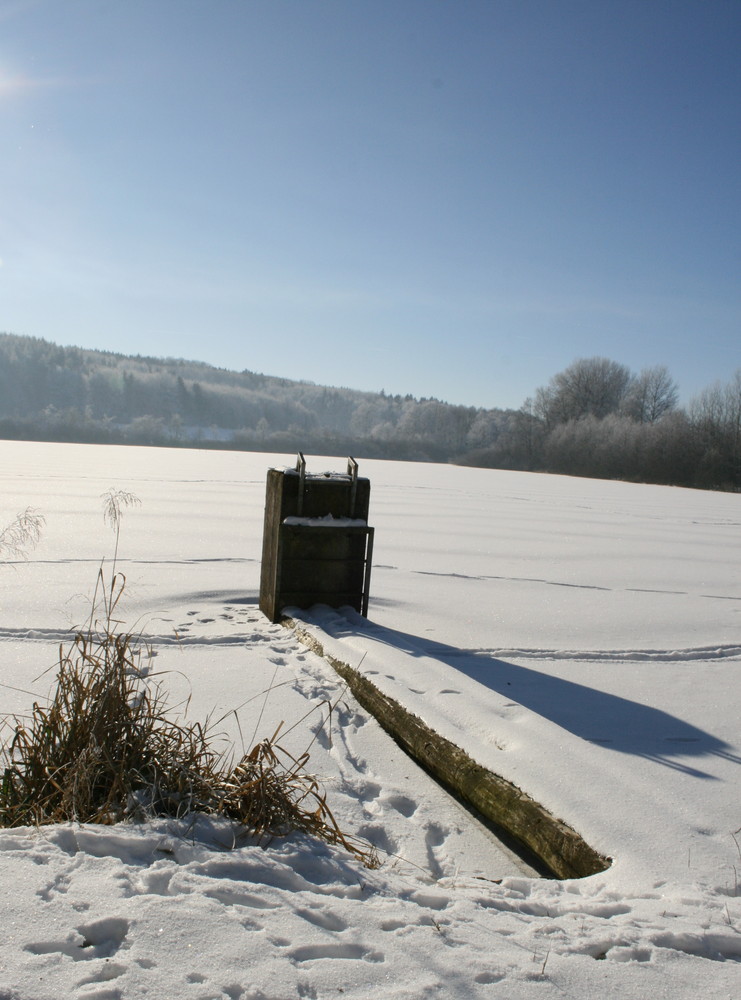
(607, 720)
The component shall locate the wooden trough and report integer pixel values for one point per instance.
(559, 848)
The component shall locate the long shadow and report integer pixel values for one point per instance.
(605, 719)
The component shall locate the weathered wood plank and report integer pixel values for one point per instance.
(320, 543)
(559, 847)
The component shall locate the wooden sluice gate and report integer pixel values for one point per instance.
(317, 544)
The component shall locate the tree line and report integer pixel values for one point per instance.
(596, 418)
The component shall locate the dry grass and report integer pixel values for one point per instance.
(104, 748)
(23, 532)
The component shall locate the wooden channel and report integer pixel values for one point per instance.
(561, 850)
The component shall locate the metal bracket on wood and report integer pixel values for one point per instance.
(352, 471)
(301, 469)
(367, 574)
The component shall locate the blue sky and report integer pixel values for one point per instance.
(450, 198)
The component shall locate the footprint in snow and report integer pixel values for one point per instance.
(107, 972)
(323, 918)
(101, 939)
(156, 882)
(435, 837)
(430, 901)
(403, 804)
(377, 836)
(488, 978)
(314, 952)
(369, 791)
(60, 885)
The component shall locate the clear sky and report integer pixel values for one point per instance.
(450, 198)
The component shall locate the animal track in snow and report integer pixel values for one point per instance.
(107, 972)
(713, 945)
(156, 881)
(430, 900)
(435, 836)
(101, 939)
(488, 978)
(235, 896)
(59, 885)
(350, 717)
(315, 952)
(369, 791)
(377, 835)
(323, 918)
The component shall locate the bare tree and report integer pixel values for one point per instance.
(716, 419)
(589, 387)
(651, 395)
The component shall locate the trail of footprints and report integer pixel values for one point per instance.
(107, 946)
(300, 907)
(247, 893)
(322, 923)
(233, 616)
(319, 686)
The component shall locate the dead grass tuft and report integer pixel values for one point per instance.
(23, 533)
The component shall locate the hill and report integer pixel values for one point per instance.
(55, 393)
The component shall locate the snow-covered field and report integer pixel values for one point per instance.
(580, 638)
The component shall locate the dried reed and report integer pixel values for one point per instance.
(103, 750)
(23, 532)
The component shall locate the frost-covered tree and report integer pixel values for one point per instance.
(589, 387)
(716, 419)
(651, 395)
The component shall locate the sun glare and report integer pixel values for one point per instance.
(12, 82)
(7, 84)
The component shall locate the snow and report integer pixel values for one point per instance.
(580, 638)
(328, 521)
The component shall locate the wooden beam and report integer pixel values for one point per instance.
(560, 848)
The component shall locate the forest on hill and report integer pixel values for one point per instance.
(596, 418)
(74, 394)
